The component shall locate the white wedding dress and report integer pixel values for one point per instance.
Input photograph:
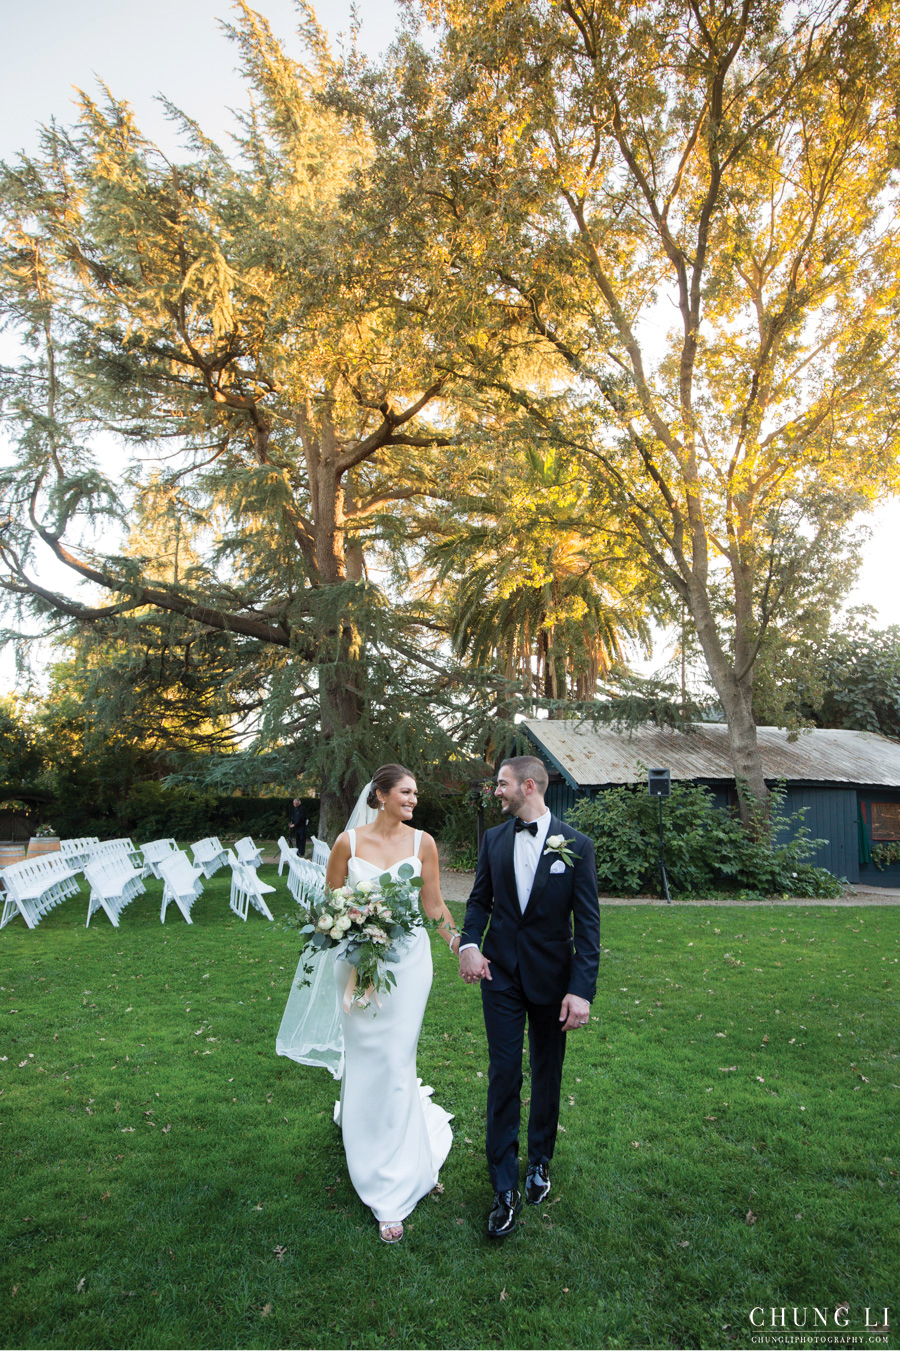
(395, 1137)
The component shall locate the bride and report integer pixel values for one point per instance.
(395, 1138)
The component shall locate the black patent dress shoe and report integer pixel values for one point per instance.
(537, 1183)
(502, 1219)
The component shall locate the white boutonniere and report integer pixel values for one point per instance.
(558, 844)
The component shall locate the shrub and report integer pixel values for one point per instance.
(706, 849)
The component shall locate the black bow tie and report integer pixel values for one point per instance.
(530, 826)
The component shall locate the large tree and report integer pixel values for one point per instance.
(218, 394)
(693, 207)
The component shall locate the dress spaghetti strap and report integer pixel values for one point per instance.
(416, 842)
(352, 834)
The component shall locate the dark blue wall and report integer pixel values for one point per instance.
(868, 873)
(830, 816)
(560, 797)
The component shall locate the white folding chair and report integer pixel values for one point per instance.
(114, 883)
(209, 856)
(153, 852)
(247, 852)
(285, 853)
(247, 890)
(181, 884)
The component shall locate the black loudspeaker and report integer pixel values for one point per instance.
(659, 782)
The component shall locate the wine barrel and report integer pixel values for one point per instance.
(11, 853)
(43, 844)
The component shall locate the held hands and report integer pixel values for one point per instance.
(473, 966)
(574, 1013)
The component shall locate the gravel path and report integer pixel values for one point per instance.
(456, 887)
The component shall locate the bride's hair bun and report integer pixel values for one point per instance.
(384, 779)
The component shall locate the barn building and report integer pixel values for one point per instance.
(849, 782)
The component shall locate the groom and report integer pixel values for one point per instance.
(536, 878)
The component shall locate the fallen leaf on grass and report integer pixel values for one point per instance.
(266, 1310)
(502, 1295)
(683, 1243)
(79, 1287)
(166, 1129)
(459, 1221)
(259, 1207)
(105, 1196)
(635, 1144)
(727, 1069)
(279, 1251)
(710, 1118)
(438, 1189)
(128, 1130)
(565, 1289)
(750, 1218)
(15, 1290)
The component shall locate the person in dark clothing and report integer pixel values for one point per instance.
(299, 824)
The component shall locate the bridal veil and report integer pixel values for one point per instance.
(310, 1030)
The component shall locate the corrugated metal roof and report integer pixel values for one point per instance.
(592, 756)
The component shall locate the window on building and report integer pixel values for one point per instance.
(885, 820)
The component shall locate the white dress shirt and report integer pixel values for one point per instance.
(527, 850)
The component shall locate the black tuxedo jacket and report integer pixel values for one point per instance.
(537, 945)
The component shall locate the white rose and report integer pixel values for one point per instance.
(343, 923)
(324, 922)
(555, 841)
(364, 888)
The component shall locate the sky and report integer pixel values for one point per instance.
(173, 47)
(177, 48)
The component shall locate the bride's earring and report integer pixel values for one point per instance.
(382, 806)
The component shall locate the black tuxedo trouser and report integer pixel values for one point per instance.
(505, 1014)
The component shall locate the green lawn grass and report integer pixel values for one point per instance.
(730, 1141)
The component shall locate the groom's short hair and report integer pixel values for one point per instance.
(528, 767)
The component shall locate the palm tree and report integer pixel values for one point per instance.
(533, 586)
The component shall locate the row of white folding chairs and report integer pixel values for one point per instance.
(34, 886)
(78, 852)
(114, 882)
(306, 880)
(155, 850)
(247, 852)
(247, 890)
(122, 849)
(320, 851)
(209, 856)
(181, 883)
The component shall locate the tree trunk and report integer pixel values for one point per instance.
(737, 704)
(339, 704)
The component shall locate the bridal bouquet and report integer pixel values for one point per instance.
(368, 924)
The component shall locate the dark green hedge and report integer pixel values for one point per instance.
(150, 811)
(707, 851)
